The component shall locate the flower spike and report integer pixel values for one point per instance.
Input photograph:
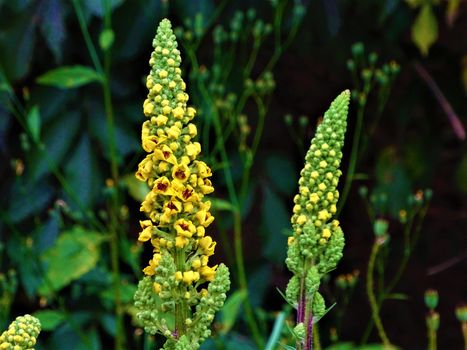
(317, 241)
(179, 278)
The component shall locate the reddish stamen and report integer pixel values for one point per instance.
(186, 193)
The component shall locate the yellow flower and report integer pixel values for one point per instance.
(161, 120)
(200, 231)
(205, 186)
(323, 215)
(184, 228)
(193, 149)
(196, 263)
(207, 245)
(204, 218)
(181, 172)
(203, 169)
(192, 131)
(190, 276)
(146, 234)
(178, 112)
(326, 233)
(181, 242)
(144, 169)
(153, 263)
(174, 132)
(191, 112)
(314, 198)
(301, 219)
(162, 186)
(148, 108)
(208, 273)
(157, 287)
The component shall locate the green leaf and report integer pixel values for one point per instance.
(74, 253)
(221, 204)
(57, 138)
(28, 199)
(50, 319)
(137, 189)
(17, 42)
(33, 121)
(69, 77)
(51, 20)
(82, 173)
(230, 310)
(106, 39)
(425, 29)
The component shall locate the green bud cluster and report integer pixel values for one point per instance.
(22, 334)
(263, 85)
(317, 241)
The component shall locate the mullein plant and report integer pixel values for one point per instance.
(317, 241)
(21, 334)
(181, 290)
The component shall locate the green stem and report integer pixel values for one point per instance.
(432, 339)
(114, 207)
(316, 339)
(371, 296)
(87, 37)
(181, 307)
(409, 246)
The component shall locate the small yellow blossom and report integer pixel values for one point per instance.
(208, 273)
(207, 245)
(161, 120)
(178, 112)
(326, 233)
(301, 220)
(157, 287)
(146, 234)
(323, 215)
(314, 198)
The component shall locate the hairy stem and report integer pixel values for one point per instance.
(432, 339)
(371, 295)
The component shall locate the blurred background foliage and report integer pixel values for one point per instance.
(260, 73)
